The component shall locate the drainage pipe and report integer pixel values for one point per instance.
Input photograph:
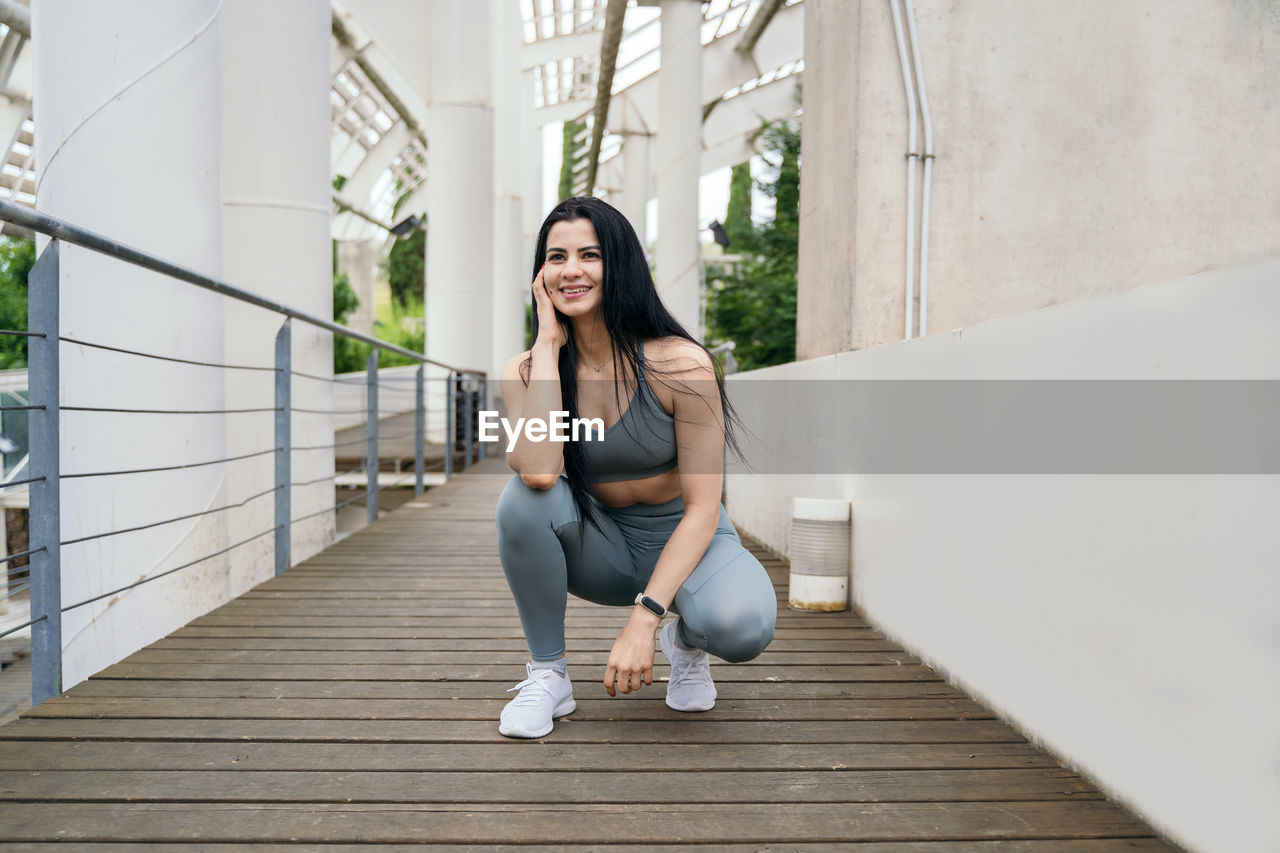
(928, 172)
(912, 155)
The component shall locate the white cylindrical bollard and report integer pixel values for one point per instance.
(821, 539)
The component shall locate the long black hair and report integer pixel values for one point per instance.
(632, 312)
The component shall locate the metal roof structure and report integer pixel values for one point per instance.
(379, 150)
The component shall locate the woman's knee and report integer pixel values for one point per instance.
(522, 510)
(736, 610)
(741, 631)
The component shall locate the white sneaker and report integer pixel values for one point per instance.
(544, 695)
(690, 687)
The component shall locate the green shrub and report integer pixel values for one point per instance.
(17, 256)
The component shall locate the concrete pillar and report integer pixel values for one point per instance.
(459, 263)
(530, 173)
(135, 84)
(635, 182)
(679, 153)
(276, 209)
(510, 265)
(359, 260)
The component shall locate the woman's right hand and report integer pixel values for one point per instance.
(549, 329)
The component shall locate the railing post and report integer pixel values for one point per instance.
(371, 434)
(284, 445)
(450, 424)
(45, 530)
(419, 429)
(468, 410)
(484, 401)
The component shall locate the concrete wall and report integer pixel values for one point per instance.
(1081, 149)
(1126, 622)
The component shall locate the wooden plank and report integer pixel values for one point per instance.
(453, 620)
(647, 704)
(512, 755)
(244, 689)
(691, 728)
(1055, 845)
(573, 631)
(393, 657)
(547, 786)
(482, 672)
(391, 823)
(487, 644)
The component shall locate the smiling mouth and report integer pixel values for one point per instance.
(573, 291)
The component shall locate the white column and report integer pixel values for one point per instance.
(460, 188)
(635, 182)
(679, 153)
(531, 149)
(510, 265)
(128, 130)
(276, 208)
(359, 260)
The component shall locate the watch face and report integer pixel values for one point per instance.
(652, 606)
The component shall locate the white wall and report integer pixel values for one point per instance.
(1081, 148)
(136, 84)
(1126, 622)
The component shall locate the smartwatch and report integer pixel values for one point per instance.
(652, 606)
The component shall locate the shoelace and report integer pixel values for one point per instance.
(533, 696)
(691, 668)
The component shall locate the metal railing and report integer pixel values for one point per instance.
(466, 391)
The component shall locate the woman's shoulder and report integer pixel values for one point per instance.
(511, 370)
(677, 355)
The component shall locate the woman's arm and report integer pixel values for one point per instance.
(538, 463)
(700, 438)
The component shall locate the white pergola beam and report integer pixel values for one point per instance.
(723, 68)
(728, 132)
(561, 47)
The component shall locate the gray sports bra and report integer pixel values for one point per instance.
(641, 444)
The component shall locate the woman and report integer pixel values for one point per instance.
(633, 519)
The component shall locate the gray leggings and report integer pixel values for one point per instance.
(727, 606)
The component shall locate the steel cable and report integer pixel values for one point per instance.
(332, 476)
(166, 411)
(168, 571)
(329, 411)
(166, 357)
(169, 520)
(9, 557)
(23, 625)
(331, 446)
(169, 467)
(13, 483)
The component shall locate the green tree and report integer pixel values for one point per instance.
(752, 302)
(348, 354)
(406, 268)
(17, 256)
(571, 129)
(737, 221)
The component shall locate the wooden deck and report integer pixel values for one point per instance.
(354, 701)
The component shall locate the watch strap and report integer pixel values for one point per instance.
(651, 605)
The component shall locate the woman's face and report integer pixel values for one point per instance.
(574, 270)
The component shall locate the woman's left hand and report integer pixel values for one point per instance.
(631, 658)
